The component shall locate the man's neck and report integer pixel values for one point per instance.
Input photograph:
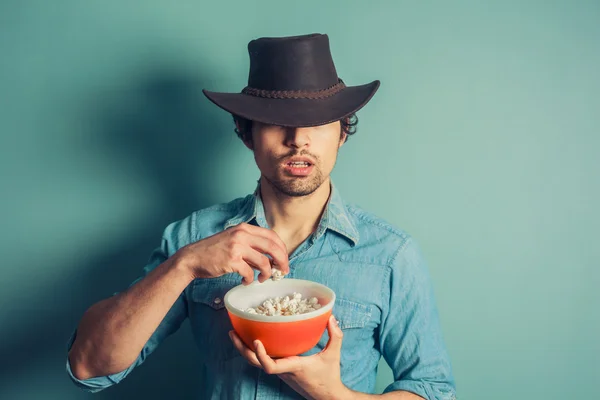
(293, 218)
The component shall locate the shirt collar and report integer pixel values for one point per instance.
(335, 217)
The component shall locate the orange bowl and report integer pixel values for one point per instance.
(282, 336)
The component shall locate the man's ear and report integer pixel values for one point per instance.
(343, 139)
(247, 143)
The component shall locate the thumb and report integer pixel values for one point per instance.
(335, 336)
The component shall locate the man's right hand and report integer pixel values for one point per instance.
(238, 249)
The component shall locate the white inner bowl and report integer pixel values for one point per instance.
(242, 297)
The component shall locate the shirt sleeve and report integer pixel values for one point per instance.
(410, 335)
(169, 325)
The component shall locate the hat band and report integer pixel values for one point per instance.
(295, 94)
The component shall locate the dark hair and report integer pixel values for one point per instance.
(244, 131)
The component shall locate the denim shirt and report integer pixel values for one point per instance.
(385, 305)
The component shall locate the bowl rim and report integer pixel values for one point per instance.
(279, 318)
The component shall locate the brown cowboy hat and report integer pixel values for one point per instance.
(293, 82)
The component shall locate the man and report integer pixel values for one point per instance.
(294, 115)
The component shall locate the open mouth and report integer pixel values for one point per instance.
(298, 168)
(298, 164)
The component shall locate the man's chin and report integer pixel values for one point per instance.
(296, 187)
(296, 192)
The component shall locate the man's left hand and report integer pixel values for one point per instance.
(314, 377)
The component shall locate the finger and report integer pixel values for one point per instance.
(334, 345)
(248, 354)
(267, 246)
(266, 233)
(245, 271)
(258, 261)
(279, 366)
(267, 241)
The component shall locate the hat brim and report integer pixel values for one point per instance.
(296, 112)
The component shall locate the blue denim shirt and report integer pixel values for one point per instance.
(385, 305)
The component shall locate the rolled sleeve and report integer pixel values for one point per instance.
(410, 335)
(99, 383)
(171, 240)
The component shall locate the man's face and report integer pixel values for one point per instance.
(296, 161)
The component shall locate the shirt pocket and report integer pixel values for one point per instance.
(351, 315)
(353, 319)
(209, 319)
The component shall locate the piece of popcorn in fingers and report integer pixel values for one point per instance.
(276, 274)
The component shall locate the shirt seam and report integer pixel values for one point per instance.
(216, 208)
(381, 224)
(194, 228)
(388, 271)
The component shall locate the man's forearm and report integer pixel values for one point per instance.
(113, 332)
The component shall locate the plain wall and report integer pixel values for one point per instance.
(482, 143)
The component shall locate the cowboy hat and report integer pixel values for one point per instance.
(293, 82)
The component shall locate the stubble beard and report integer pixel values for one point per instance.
(297, 186)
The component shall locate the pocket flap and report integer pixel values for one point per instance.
(351, 314)
(212, 291)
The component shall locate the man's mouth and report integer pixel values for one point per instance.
(298, 161)
(298, 164)
(298, 168)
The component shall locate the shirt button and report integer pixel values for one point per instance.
(217, 300)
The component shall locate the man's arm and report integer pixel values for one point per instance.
(113, 332)
(410, 335)
(117, 334)
(316, 376)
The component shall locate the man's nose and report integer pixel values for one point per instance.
(297, 137)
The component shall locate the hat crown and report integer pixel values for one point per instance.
(291, 63)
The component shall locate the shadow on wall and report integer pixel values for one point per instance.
(169, 133)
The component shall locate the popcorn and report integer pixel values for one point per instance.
(287, 306)
(276, 274)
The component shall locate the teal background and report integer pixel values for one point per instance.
(482, 142)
